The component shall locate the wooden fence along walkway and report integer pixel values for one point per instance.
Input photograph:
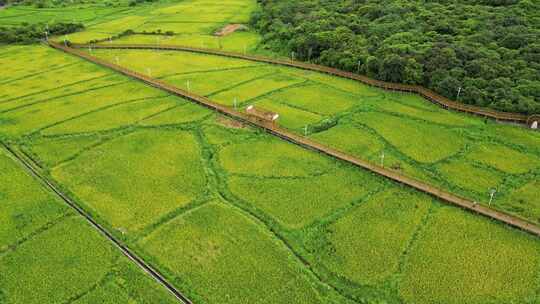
(307, 143)
(426, 93)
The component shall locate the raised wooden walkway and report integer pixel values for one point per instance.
(426, 93)
(307, 143)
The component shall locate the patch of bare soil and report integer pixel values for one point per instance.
(229, 123)
(229, 29)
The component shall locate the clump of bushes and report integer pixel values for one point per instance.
(323, 125)
(137, 2)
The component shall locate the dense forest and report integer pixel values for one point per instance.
(487, 50)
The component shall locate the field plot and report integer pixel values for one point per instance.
(36, 78)
(121, 195)
(295, 203)
(389, 220)
(240, 42)
(213, 82)
(49, 254)
(422, 142)
(85, 14)
(461, 153)
(451, 242)
(202, 245)
(190, 63)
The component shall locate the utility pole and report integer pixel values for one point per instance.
(491, 194)
(458, 92)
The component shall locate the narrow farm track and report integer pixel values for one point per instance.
(117, 243)
(426, 93)
(307, 143)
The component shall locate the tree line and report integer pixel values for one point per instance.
(480, 52)
(31, 33)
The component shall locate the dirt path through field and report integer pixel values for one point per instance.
(229, 29)
(230, 123)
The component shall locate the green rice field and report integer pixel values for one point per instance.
(49, 254)
(228, 213)
(457, 152)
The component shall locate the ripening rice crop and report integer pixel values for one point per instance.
(221, 255)
(133, 180)
(462, 258)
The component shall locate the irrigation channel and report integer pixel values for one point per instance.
(117, 243)
(426, 93)
(312, 145)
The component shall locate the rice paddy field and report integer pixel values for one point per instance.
(230, 214)
(457, 152)
(186, 22)
(48, 254)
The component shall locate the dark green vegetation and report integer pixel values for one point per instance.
(490, 49)
(63, 4)
(31, 33)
